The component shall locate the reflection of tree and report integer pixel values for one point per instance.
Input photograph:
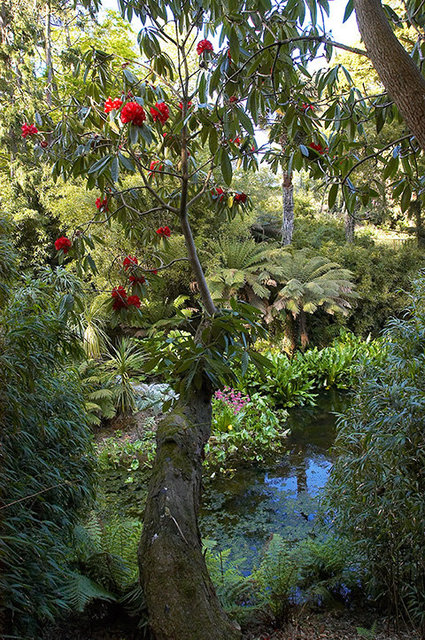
(300, 469)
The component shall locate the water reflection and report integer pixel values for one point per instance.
(242, 512)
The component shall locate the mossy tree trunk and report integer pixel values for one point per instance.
(302, 323)
(180, 596)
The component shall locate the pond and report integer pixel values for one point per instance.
(242, 512)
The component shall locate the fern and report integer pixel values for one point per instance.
(79, 590)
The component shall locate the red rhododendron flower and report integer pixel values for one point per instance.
(236, 141)
(204, 45)
(133, 112)
(240, 197)
(233, 99)
(102, 204)
(130, 261)
(160, 112)
(155, 272)
(63, 244)
(306, 107)
(137, 279)
(133, 301)
(164, 232)
(119, 295)
(218, 191)
(318, 147)
(154, 166)
(110, 104)
(28, 130)
(189, 104)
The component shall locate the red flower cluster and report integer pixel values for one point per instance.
(28, 130)
(155, 165)
(137, 280)
(236, 141)
(119, 294)
(110, 104)
(318, 147)
(189, 104)
(102, 204)
(130, 261)
(133, 112)
(240, 197)
(133, 301)
(218, 191)
(233, 99)
(63, 244)
(204, 45)
(164, 232)
(307, 107)
(160, 112)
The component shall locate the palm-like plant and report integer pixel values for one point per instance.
(243, 268)
(125, 360)
(310, 282)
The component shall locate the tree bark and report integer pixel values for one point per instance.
(180, 596)
(350, 227)
(302, 321)
(396, 69)
(288, 209)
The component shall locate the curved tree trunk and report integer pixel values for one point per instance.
(288, 209)
(396, 69)
(181, 599)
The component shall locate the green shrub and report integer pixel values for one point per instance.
(244, 430)
(377, 484)
(47, 466)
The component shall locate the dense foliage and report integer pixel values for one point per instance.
(377, 483)
(46, 461)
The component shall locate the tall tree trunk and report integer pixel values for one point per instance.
(50, 87)
(415, 211)
(396, 69)
(288, 209)
(302, 322)
(181, 599)
(350, 227)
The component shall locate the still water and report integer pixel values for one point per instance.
(242, 512)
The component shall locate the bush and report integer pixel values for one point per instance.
(294, 382)
(243, 430)
(377, 484)
(47, 466)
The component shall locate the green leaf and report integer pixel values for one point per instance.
(126, 162)
(115, 170)
(100, 164)
(133, 134)
(406, 198)
(348, 10)
(226, 167)
(333, 192)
